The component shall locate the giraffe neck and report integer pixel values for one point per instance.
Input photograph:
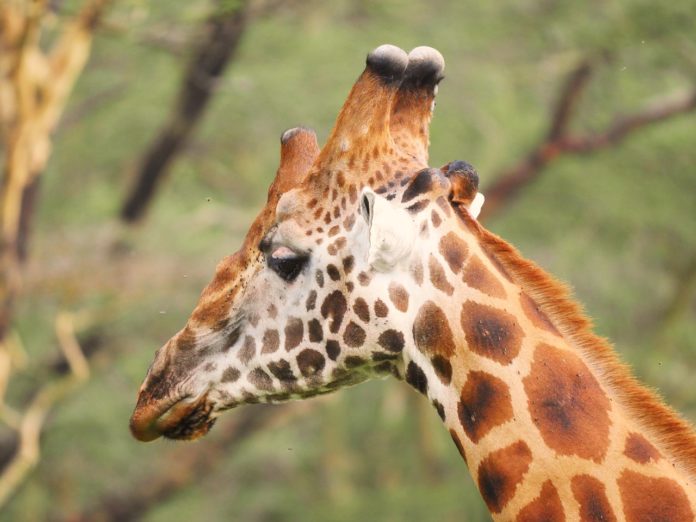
(550, 424)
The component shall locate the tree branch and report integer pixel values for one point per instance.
(560, 141)
(223, 33)
(32, 420)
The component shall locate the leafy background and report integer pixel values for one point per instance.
(619, 225)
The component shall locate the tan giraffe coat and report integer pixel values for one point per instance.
(365, 262)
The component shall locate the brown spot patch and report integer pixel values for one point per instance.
(439, 408)
(421, 184)
(364, 278)
(361, 309)
(248, 349)
(311, 300)
(381, 310)
(348, 263)
(454, 250)
(567, 404)
(477, 276)
(432, 332)
(416, 378)
(231, 374)
(310, 362)
(491, 332)
(333, 349)
(438, 277)
(591, 495)
(435, 218)
(485, 403)
(535, 315)
(442, 367)
(398, 296)
(316, 333)
(334, 307)
(546, 507)
(333, 272)
(319, 277)
(260, 379)
(640, 450)
(354, 336)
(282, 371)
(501, 472)
(647, 499)
(391, 340)
(270, 342)
(294, 331)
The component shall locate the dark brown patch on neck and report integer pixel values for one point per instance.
(648, 498)
(591, 494)
(535, 315)
(501, 472)
(546, 507)
(454, 250)
(477, 276)
(491, 332)
(567, 404)
(438, 277)
(431, 331)
(485, 403)
(639, 449)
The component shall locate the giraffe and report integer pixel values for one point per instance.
(365, 262)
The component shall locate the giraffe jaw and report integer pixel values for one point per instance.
(185, 419)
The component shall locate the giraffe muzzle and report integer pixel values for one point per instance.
(185, 419)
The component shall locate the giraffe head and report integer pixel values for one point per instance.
(318, 296)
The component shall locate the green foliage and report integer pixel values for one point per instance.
(620, 225)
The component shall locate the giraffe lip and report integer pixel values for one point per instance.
(186, 418)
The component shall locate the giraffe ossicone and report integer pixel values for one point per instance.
(365, 262)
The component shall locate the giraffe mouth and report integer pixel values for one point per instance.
(184, 419)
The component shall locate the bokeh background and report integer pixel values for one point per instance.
(617, 221)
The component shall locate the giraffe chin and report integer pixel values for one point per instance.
(186, 419)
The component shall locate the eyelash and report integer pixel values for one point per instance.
(287, 267)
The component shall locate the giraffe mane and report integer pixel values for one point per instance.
(674, 435)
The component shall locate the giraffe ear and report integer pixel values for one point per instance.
(391, 231)
(464, 182)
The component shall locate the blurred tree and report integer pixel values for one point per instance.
(221, 36)
(34, 87)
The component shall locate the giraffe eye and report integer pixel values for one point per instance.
(286, 263)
